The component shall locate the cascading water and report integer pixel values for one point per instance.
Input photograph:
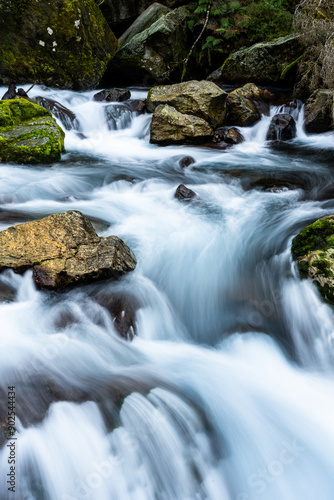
(226, 392)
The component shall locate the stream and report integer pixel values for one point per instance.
(227, 390)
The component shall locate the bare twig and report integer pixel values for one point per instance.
(186, 59)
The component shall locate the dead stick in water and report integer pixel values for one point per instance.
(32, 86)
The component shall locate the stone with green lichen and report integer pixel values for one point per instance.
(28, 133)
(264, 63)
(65, 43)
(154, 54)
(313, 249)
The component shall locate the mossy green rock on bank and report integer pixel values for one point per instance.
(313, 249)
(28, 133)
(65, 43)
(264, 63)
(64, 249)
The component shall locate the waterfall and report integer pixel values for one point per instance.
(226, 392)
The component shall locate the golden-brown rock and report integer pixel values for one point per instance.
(64, 249)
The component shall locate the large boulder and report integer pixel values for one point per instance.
(245, 105)
(143, 22)
(315, 22)
(282, 128)
(28, 133)
(169, 126)
(267, 63)
(120, 14)
(153, 55)
(65, 43)
(202, 99)
(63, 249)
(319, 112)
(313, 249)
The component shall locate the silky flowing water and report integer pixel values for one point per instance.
(227, 391)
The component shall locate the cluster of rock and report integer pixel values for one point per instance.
(202, 113)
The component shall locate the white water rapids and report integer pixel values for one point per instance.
(227, 389)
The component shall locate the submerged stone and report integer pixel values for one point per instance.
(64, 249)
(282, 128)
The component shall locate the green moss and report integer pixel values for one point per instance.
(317, 236)
(289, 67)
(74, 54)
(29, 133)
(324, 267)
(303, 268)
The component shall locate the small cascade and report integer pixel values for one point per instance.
(118, 116)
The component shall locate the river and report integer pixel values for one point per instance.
(227, 390)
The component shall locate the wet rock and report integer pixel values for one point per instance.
(112, 95)
(151, 55)
(11, 92)
(184, 194)
(198, 98)
(7, 293)
(313, 249)
(66, 43)
(228, 135)
(28, 133)
(122, 309)
(282, 128)
(233, 136)
(319, 112)
(65, 115)
(171, 127)
(264, 63)
(245, 105)
(137, 106)
(64, 249)
(186, 161)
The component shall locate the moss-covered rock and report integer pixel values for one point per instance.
(120, 14)
(143, 22)
(153, 55)
(64, 249)
(169, 126)
(65, 43)
(266, 63)
(28, 133)
(202, 99)
(313, 249)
